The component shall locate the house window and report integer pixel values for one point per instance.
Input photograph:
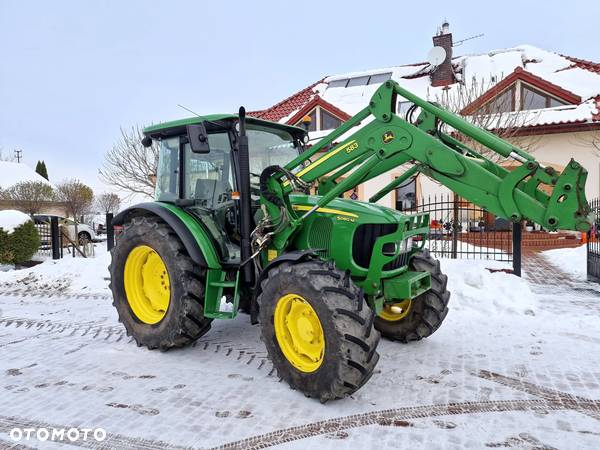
(529, 98)
(338, 83)
(380, 78)
(358, 81)
(534, 99)
(406, 195)
(329, 122)
(377, 78)
(313, 120)
(503, 103)
(321, 120)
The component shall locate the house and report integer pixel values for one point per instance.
(549, 102)
(12, 173)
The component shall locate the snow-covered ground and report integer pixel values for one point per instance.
(511, 367)
(572, 261)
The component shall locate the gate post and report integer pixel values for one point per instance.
(55, 237)
(516, 248)
(110, 232)
(455, 226)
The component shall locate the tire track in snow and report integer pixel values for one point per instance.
(390, 417)
(239, 352)
(57, 294)
(550, 399)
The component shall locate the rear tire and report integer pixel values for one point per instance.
(349, 350)
(183, 321)
(427, 311)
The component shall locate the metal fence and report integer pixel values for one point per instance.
(593, 243)
(51, 240)
(459, 229)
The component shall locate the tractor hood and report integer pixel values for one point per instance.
(350, 210)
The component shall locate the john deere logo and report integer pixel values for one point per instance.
(388, 137)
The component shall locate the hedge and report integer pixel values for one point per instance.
(20, 245)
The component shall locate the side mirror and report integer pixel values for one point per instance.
(146, 141)
(198, 138)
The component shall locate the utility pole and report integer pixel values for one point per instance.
(18, 154)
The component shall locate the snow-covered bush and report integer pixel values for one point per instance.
(19, 239)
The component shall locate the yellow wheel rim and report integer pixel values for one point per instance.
(395, 311)
(147, 284)
(299, 333)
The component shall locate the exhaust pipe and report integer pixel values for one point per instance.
(245, 199)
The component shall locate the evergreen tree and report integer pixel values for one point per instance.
(40, 168)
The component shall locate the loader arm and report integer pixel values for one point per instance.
(388, 142)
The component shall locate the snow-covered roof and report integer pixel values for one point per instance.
(12, 173)
(11, 219)
(578, 77)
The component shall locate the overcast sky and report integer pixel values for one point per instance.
(73, 72)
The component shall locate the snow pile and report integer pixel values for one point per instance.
(67, 275)
(474, 288)
(11, 219)
(12, 173)
(572, 261)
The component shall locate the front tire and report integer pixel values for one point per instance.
(423, 315)
(157, 288)
(318, 329)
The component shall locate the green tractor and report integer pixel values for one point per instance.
(247, 218)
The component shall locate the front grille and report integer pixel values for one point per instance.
(364, 240)
(400, 261)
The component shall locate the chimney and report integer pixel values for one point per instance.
(443, 75)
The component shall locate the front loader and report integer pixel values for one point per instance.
(237, 225)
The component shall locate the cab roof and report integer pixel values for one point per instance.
(177, 126)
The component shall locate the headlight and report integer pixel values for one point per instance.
(406, 245)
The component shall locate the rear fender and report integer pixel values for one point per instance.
(195, 239)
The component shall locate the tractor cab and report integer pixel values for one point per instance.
(204, 179)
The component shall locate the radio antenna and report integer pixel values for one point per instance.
(189, 110)
(462, 41)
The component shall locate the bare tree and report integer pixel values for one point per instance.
(108, 202)
(28, 196)
(129, 165)
(497, 116)
(77, 197)
(7, 156)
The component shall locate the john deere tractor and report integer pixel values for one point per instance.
(248, 218)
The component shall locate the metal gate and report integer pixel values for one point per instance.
(593, 244)
(459, 229)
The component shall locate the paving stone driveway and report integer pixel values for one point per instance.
(482, 381)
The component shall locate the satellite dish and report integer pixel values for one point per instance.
(436, 56)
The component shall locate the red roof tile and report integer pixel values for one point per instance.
(584, 64)
(592, 67)
(286, 107)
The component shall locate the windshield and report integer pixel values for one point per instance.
(268, 147)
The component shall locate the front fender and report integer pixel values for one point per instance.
(195, 239)
(294, 256)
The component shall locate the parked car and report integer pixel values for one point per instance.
(85, 233)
